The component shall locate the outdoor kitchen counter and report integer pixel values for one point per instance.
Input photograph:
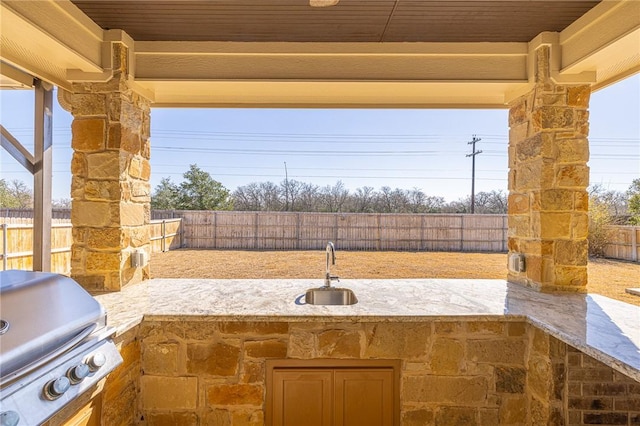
(606, 329)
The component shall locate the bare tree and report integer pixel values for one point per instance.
(364, 199)
(248, 197)
(292, 189)
(308, 198)
(61, 203)
(271, 197)
(334, 197)
(304, 196)
(615, 201)
(493, 202)
(15, 194)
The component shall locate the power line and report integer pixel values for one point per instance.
(473, 155)
(170, 133)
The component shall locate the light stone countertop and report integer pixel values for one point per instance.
(606, 329)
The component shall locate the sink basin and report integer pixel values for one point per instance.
(330, 296)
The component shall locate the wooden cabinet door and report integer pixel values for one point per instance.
(332, 392)
(302, 397)
(363, 397)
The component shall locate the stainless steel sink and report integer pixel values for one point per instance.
(330, 296)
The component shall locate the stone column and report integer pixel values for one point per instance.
(110, 185)
(548, 179)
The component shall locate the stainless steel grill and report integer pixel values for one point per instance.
(54, 345)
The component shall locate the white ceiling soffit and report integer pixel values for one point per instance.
(13, 78)
(331, 74)
(48, 38)
(55, 41)
(606, 40)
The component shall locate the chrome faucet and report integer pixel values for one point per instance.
(331, 260)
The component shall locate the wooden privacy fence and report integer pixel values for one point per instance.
(301, 231)
(165, 235)
(16, 244)
(624, 243)
(349, 231)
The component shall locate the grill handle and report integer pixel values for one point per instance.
(51, 355)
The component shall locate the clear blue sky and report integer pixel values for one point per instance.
(407, 149)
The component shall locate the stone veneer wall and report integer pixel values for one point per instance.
(453, 373)
(110, 188)
(548, 177)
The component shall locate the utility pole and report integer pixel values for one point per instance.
(473, 171)
(286, 188)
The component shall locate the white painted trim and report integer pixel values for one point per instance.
(20, 78)
(332, 49)
(56, 42)
(605, 41)
(142, 90)
(48, 28)
(369, 67)
(208, 73)
(44, 40)
(556, 74)
(331, 94)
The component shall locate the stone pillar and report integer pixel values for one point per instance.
(110, 189)
(548, 179)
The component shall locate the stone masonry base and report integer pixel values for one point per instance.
(467, 372)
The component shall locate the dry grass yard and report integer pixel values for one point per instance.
(606, 277)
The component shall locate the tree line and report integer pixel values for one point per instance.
(15, 194)
(199, 191)
(293, 195)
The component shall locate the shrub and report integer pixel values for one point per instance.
(599, 233)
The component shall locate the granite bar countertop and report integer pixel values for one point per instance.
(606, 329)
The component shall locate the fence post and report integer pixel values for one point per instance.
(298, 231)
(5, 241)
(215, 230)
(255, 230)
(634, 244)
(423, 243)
(379, 220)
(504, 233)
(179, 232)
(163, 231)
(461, 232)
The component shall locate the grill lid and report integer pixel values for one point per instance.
(39, 313)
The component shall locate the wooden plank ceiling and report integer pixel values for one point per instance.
(348, 21)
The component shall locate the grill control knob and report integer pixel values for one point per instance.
(55, 388)
(96, 361)
(77, 373)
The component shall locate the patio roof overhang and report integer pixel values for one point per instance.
(54, 40)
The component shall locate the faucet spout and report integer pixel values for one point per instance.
(331, 260)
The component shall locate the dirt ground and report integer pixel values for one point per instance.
(606, 277)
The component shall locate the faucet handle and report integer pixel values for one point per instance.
(334, 278)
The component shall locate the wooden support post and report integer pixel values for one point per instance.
(42, 176)
(40, 166)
